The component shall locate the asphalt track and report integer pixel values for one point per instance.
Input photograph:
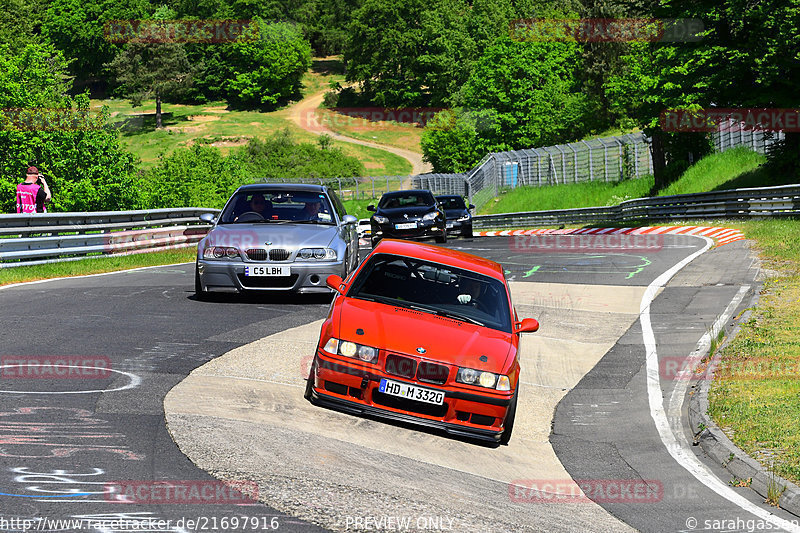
(59, 451)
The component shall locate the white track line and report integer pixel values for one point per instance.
(674, 441)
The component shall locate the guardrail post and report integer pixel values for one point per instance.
(605, 162)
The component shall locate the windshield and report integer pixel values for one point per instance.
(434, 288)
(409, 199)
(452, 202)
(276, 206)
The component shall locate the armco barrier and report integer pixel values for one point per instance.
(778, 201)
(53, 237)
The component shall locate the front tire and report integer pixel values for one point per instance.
(467, 233)
(309, 384)
(375, 241)
(199, 294)
(442, 239)
(508, 426)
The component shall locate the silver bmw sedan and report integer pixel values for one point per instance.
(277, 237)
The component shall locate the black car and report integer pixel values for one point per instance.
(413, 214)
(457, 213)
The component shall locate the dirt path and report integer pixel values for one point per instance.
(302, 114)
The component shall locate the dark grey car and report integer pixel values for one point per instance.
(277, 237)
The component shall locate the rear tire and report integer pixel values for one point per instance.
(508, 426)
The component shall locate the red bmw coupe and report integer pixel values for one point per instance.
(426, 335)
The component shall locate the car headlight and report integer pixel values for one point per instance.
(220, 252)
(431, 216)
(464, 218)
(353, 350)
(380, 220)
(481, 378)
(319, 254)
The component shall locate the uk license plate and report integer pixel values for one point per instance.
(411, 392)
(407, 225)
(267, 270)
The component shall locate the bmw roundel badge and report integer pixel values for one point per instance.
(421, 350)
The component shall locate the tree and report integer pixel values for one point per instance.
(79, 29)
(268, 66)
(152, 70)
(532, 89)
(450, 141)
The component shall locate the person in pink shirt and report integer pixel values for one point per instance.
(33, 193)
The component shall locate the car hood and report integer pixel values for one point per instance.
(244, 236)
(455, 213)
(404, 330)
(410, 211)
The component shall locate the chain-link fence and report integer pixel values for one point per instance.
(605, 159)
(731, 134)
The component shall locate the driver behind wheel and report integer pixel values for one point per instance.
(258, 204)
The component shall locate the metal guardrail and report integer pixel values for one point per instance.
(53, 237)
(783, 200)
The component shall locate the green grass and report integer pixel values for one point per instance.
(589, 194)
(732, 169)
(755, 397)
(95, 265)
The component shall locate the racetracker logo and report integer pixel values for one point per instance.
(50, 119)
(54, 367)
(598, 30)
(730, 120)
(550, 242)
(755, 369)
(182, 492)
(586, 490)
(180, 31)
(366, 118)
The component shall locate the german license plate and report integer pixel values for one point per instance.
(451, 224)
(411, 392)
(407, 225)
(267, 270)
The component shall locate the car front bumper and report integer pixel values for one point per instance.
(305, 277)
(422, 231)
(354, 389)
(454, 226)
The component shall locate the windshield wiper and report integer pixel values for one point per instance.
(457, 316)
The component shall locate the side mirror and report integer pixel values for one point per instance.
(370, 207)
(528, 325)
(349, 219)
(334, 281)
(471, 206)
(208, 217)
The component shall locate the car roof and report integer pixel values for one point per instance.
(305, 187)
(448, 196)
(406, 191)
(441, 255)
